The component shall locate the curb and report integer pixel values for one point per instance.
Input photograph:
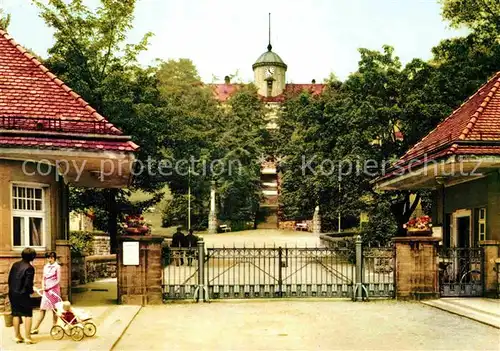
(461, 314)
(125, 329)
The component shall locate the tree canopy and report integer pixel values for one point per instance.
(330, 146)
(482, 16)
(4, 20)
(355, 123)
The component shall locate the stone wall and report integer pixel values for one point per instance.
(88, 269)
(101, 245)
(491, 254)
(5, 264)
(77, 270)
(62, 250)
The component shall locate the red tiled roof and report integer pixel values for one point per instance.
(51, 143)
(29, 91)
(315, 89)
(472, 129)
(224, 91)
(478, 119)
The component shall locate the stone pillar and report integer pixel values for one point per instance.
(491, 254)
(212, 217)
(498, 277)
(316, 225)
(140, 284)
(417, 275)
(63, 251)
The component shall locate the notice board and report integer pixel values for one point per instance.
(130, 253)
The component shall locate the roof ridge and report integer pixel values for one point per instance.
(57, 81)
(475, 116)
(497, 74)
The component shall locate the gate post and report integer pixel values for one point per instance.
(280, 273)
(139, 270)
(488, 270)
(359, 287)
(416, 275)
(201, 293)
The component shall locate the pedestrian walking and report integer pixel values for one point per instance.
(191, 244)
(21, 276)
(50, 288)
(178, 243)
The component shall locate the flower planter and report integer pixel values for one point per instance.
(419, 232)
(143, 229)
(132, 231)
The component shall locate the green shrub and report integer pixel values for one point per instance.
(81, 242)
(381, 226)
(176, 212)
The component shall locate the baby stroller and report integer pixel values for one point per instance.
(81, 325)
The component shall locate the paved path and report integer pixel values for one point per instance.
(304, 325)
(261, 238)
(95, 298)
(482, 310)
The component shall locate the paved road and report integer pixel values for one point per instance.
(304, 325)
(261, 238)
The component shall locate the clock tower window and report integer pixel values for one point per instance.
(269, 87)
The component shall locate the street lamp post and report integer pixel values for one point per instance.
(189, 197)
(339, 217)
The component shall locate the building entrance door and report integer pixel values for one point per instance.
(463, 232)
(461, 265)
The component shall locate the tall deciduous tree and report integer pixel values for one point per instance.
(240, 145)
(357, 124)
(91, 55)
(482, 16)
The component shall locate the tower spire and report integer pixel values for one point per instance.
(269, 46)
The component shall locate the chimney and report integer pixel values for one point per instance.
(227, 80)
(313, 81)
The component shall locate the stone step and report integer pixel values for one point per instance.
(467, 310)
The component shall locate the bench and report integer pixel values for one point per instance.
(224, 228)
(301, 226)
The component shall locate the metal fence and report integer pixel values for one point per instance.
(461, 272)
(378, 271)
(181, 273)
(278, 272)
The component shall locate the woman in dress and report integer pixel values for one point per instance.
(21, 276)
(50, 288)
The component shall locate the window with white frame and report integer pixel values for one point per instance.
(482, 224)
(28, 215)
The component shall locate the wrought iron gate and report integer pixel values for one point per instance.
(180, 273)
(461, 272)
(278, 272)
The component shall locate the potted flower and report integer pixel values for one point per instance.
(419, 226)
(135, 225)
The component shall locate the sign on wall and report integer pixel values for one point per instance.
(130, 253)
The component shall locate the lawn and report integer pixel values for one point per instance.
(154, 216)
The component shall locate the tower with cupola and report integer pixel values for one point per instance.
(270, 71)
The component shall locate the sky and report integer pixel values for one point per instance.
(222, 37)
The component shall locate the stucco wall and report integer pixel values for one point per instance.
(483, 192)
(12, 171)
